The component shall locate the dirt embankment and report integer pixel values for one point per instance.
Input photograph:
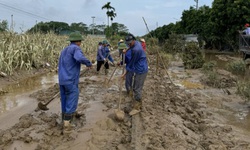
(173, 116)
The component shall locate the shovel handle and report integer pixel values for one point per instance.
(52, 98)
(120, 94)
(112, 74)
(83, 72)
(123, 60)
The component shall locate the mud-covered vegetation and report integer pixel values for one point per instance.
(192, 56)
(172, 117)
(237, 67)
(34, 51)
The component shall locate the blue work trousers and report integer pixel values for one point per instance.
(69, 99)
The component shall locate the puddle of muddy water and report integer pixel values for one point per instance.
(18, 93)
(240, 116)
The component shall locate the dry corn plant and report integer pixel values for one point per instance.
(27, 51)
(90, 46)
(152, 46)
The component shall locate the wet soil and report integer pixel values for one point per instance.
(180, 112)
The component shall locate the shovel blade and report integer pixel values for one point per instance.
(119, 115)
(42, 106)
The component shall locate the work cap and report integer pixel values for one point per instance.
(142, 40)
(121, 40)
(105, 42)
(246, 25)
(129, 38)
(122, 46)
(75, 36)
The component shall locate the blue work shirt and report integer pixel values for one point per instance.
(136, 60)
(100, 54)
(69, 64)
(107, 54)
(247, 31)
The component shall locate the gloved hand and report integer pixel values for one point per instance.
(104, 59)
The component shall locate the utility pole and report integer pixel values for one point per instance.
(36, 26)
(12, 24)
(104, 28)
(93, 28)
(197, 1)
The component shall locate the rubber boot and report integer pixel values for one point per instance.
(136, 108)
(129, 93)
(68, 126)
(62, 117)
(106, 71)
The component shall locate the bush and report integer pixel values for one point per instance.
(192, 57)
(237, 67)
(174, 44)
(243, 89)
(209, 66)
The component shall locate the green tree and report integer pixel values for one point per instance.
(227, 17)
(196, 22)
(3, 25)
(99, 29)
(217, 26)
(46, 27)
(81, 27)
(110, 13)
(117, 28)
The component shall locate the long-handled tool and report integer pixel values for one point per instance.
(83, 72)
(119, 114)
(42, 106)
(112, 74)
(123, 56)
(106, 61)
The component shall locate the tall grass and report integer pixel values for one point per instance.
(237, 67)
(28, 51)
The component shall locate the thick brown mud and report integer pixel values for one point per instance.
(180, 112)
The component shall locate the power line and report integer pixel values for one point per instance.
(26, 12)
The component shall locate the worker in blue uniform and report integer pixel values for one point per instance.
(69, 67)
(136, 71)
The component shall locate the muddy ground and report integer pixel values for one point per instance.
(179, 112)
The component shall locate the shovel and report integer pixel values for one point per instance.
(44, 106)
(119, 114)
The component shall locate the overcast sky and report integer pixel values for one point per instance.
(129, 12)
